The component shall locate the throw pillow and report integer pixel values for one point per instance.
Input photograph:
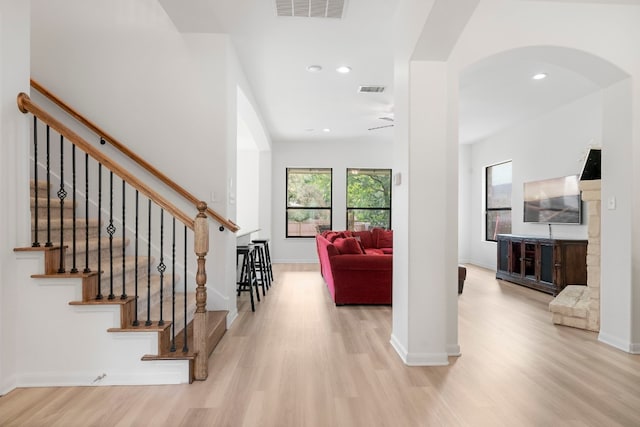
(359, 240)
(385, 239)
(347, 246)
(332, 236)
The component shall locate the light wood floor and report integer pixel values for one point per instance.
(301, 361)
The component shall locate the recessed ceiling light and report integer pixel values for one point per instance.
(314, 68)
(326, 130)
(539, 76)
(343, 69)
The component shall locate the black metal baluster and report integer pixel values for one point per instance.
(99, 296)
(49, 243)
(161, 267)
(173, 285)
(185, 346)
(124, 230)
(111, 229)
(74, 269)
(135, 313)
(62, 193)
(148, 322)
(36, 243)
(86, 214)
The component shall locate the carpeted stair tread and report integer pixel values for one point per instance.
(104, 244)
(167, 313)
(42, 186)
(54, 204)
(143, 279)
(66, 222)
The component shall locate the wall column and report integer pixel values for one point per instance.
(425, 320)
(15, 24)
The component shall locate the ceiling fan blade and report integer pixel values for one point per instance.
(381, 127)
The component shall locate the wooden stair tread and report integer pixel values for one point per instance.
(40, 248)
(216, 327)
(65, 275)
(216, 318)
(154, 327)
(104, 301)
(177, 355)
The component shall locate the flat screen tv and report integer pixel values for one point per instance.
(553, 201)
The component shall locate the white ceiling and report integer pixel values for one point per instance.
(297, 105)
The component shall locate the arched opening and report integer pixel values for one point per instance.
(546, 127)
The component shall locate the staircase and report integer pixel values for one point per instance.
(109, 304)
(118, 278)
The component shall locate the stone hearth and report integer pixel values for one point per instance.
(579, 306)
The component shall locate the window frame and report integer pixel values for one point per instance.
(487, 209)
(371, 208)
(315, 208)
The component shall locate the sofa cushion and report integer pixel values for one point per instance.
(365, 237)
(347, 245)
(382, 238)
(374, 251)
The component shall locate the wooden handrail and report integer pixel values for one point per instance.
(227, 223)
(27, 106)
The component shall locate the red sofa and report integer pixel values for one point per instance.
(357, 266)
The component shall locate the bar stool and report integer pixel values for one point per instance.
(265, 243)
(247, 279)
(261, 268)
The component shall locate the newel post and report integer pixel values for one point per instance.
(201, 247)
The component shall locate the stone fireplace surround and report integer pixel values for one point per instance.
(579, 306)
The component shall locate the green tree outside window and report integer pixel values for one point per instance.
(368, 198)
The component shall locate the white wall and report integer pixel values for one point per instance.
(618, 314)
(465, 208)
(253, 195)
(549, 146)
(248, 190)
(323, 154)
(14, 175)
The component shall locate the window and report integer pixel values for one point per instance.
(308, 201)
(498, 200)
(368, 199)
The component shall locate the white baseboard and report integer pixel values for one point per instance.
(8, 384)
(295, 261)
(454, 350)
(231, 317)
(618, 343)
(164, 372)
(399, 348)
(418, 359)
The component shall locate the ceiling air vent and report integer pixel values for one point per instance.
(371, 89)
(311, 8)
